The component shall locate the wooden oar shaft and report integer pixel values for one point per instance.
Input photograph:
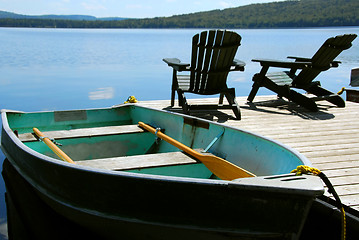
(220, 167)
(170, 140)
(52, 146)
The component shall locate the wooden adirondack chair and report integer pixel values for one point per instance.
(283, 82)
(212, 59)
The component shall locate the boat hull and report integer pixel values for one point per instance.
(140, 206)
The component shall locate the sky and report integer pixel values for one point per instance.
(119, 8)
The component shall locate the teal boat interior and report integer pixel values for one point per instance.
(110, 139)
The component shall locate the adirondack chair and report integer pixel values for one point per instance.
(283, 82)
(212, 59)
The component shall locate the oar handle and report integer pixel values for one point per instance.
(52, 146)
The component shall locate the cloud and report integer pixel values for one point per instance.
(225, 4)
(138, 6)
(93, 5)
(134, 6)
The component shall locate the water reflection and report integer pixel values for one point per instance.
(3, 220)
(102, 93)
(3, 229)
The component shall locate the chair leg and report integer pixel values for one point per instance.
(255, 87)
(231, 98)
(319, 91)
(181, 97)
(183, 101)
(173, 93)
(303, 101)
(221, 96)
(174, 87)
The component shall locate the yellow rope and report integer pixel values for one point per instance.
(341, 91)
(302, 169)
(131, 99)
(344, 224)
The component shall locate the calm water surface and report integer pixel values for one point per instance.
(59, 69)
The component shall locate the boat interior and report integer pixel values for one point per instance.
(120, 148)
(110, 139)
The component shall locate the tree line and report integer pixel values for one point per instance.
(291, 13)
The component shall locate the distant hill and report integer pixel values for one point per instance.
(4, 14)
(112, 19)
(290, 13)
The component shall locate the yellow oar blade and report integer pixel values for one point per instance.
(52, 146)
(218, 166)
(224, 169)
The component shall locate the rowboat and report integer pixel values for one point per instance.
(129, 181)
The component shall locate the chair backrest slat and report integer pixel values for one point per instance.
(322, 59)
(195, 41)
(212, 55)
(201, 52)
(207, 59)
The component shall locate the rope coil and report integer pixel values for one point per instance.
(302, 169)
(131, 99)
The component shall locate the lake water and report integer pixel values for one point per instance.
(60, 69)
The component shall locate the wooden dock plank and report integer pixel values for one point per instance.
(337, 165)
(342, 172)
(329, 138)
(351, 200)
(343, 158)
(338, 152)
(347, 189)
(344, 180)
(320, 140)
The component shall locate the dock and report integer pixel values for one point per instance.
(329, 138)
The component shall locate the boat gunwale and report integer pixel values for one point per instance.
(59, 201)
(55, 161)
(38, 155)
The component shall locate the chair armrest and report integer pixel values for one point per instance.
(238, 65)
(176, 64)
(300, 59)
(335, 63)
(282, 64)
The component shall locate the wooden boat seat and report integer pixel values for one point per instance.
(84, 132)
(118, 163)
(140, 161)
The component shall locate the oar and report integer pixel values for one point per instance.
(218, 166)
(52, 146)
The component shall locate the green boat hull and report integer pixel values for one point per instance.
(168, 201)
